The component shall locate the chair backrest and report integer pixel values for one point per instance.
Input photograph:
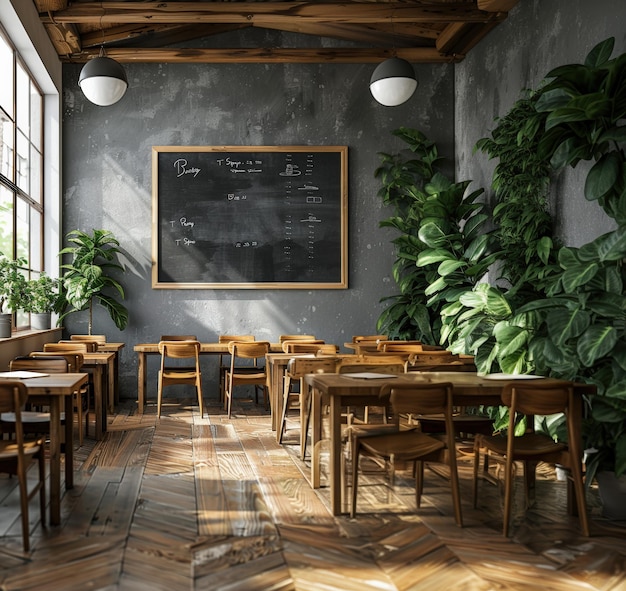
(417, 358)
(67, 347)
(52, 364)
(74, 360)
(296, 337)
(227, 338)
(92, 346)
(98, 338)
(179, 337)
(420, 398)
(292, 346)
(536, 398)
(400, 347)
(377, 359)
(392, 368)
(183, 349)
(248, 350)
(13, 395)
(300, 366)
(371, 337)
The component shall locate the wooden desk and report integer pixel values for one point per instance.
(115, 348)
(103, 368)
(49, 391)
(145, 349)
(340, 390)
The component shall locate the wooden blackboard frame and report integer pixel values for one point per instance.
(331, 175)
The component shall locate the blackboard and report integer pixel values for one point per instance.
(249, 217)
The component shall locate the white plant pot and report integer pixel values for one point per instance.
(613, 495)
(41, 321)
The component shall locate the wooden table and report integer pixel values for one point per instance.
(145, 349)
(340, 390)
(49, 391)
(103, 368)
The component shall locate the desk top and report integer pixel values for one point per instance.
(98, 357)
(58, 384)
(111, 347)
(209, 348)
(466, 384)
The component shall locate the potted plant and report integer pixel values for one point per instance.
(12, 289)
(42, 297)
(86, 280)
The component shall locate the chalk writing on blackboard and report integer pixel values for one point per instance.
(249, 217)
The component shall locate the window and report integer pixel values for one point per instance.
(21, 163)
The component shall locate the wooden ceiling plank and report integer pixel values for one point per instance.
(267, 55)
(65, 39)
(260, 12)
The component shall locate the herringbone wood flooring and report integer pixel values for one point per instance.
(188, 503)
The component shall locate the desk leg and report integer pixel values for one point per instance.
(276, 395)
(317, 405)
(99, 402)
(69, 441)
(335, 455)
(111, 385)
(141, 382)
(55, 460)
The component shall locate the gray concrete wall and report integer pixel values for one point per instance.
(537, 36)
(107, 184)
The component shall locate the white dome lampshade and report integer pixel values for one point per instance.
(393, 82)
(103, 81)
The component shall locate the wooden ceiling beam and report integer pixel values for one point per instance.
(265, 12)
(278, 55)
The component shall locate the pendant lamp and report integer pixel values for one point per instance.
(393, 82)
(103, 80)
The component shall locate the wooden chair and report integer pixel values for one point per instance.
(179, 337)
(532, 399)
(223, 361)
(98, 338)
(170, 374)
(297, 368)
(296, 337)
(412, 445)
(81, 398)
(308, 347)
(34, 422)
(254, 375)
(16, 455)
(372, 337)
(69, 347)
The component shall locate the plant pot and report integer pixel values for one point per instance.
(6, 322)
(613, 495)
(41, 321)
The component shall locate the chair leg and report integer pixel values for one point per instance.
(159, 395)
(78, 404)
(475, 470)
(200, 401)
(21, 476)
(508, 495)
(283, 418)
(42, 486)
(355, 475)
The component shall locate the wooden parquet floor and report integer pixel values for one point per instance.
(184, 503)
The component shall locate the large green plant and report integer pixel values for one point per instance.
(86, 278)
(12, 283)
(443, 246)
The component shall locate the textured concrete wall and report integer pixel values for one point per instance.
(536, 37)
(107, 183)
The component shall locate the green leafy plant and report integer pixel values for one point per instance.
(12, 283)
(443, 247)
(42, 295)
(86, 279)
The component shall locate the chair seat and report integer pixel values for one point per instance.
(9, 449)
(29, 416)
(180, 373)
(530, 445)
(402, 445)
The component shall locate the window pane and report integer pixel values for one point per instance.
(6, 146)
(35, 173)
(6, 67)
(22, 89)
(6, 221)
(22, 229)
(35, 240)
(35, 116)
(22, 164)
